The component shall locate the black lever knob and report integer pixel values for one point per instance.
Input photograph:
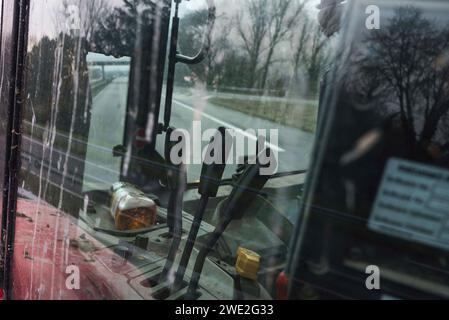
(176, 173)
(215, 162)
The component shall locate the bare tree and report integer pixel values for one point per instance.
(284, 18)
(91, 14)
(300, 44)
(314, 56)
(253, 33)
(218, 50)
(406, 55)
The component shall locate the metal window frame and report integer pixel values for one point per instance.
(12, 57)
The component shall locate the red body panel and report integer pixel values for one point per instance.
(47, 242)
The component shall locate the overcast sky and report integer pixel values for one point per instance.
(198, 4)
(44, 12)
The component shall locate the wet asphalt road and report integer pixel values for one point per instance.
(107, 126)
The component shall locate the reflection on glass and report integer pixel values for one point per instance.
(373, 201)
(109, 78)
(94, 99)
(262, 72)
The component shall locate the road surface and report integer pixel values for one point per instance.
(107, 126)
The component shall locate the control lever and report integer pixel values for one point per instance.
(246, 187)
(176, 182)
(175, 56)
(211, 175)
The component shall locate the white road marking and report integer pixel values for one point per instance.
(228, 125)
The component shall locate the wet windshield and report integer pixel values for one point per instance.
(253, 84)
(200, 149)
(103, 102)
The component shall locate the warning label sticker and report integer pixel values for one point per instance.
(413, 203)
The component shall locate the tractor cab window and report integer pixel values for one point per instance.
(165, 145)
(206, 150)
(376, 208)
(261, 76)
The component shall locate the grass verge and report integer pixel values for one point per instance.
(300, 115)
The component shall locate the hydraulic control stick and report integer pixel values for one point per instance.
(211, 175)
(176, 182)
(247, 186)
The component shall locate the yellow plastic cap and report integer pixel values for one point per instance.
(248, 263)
